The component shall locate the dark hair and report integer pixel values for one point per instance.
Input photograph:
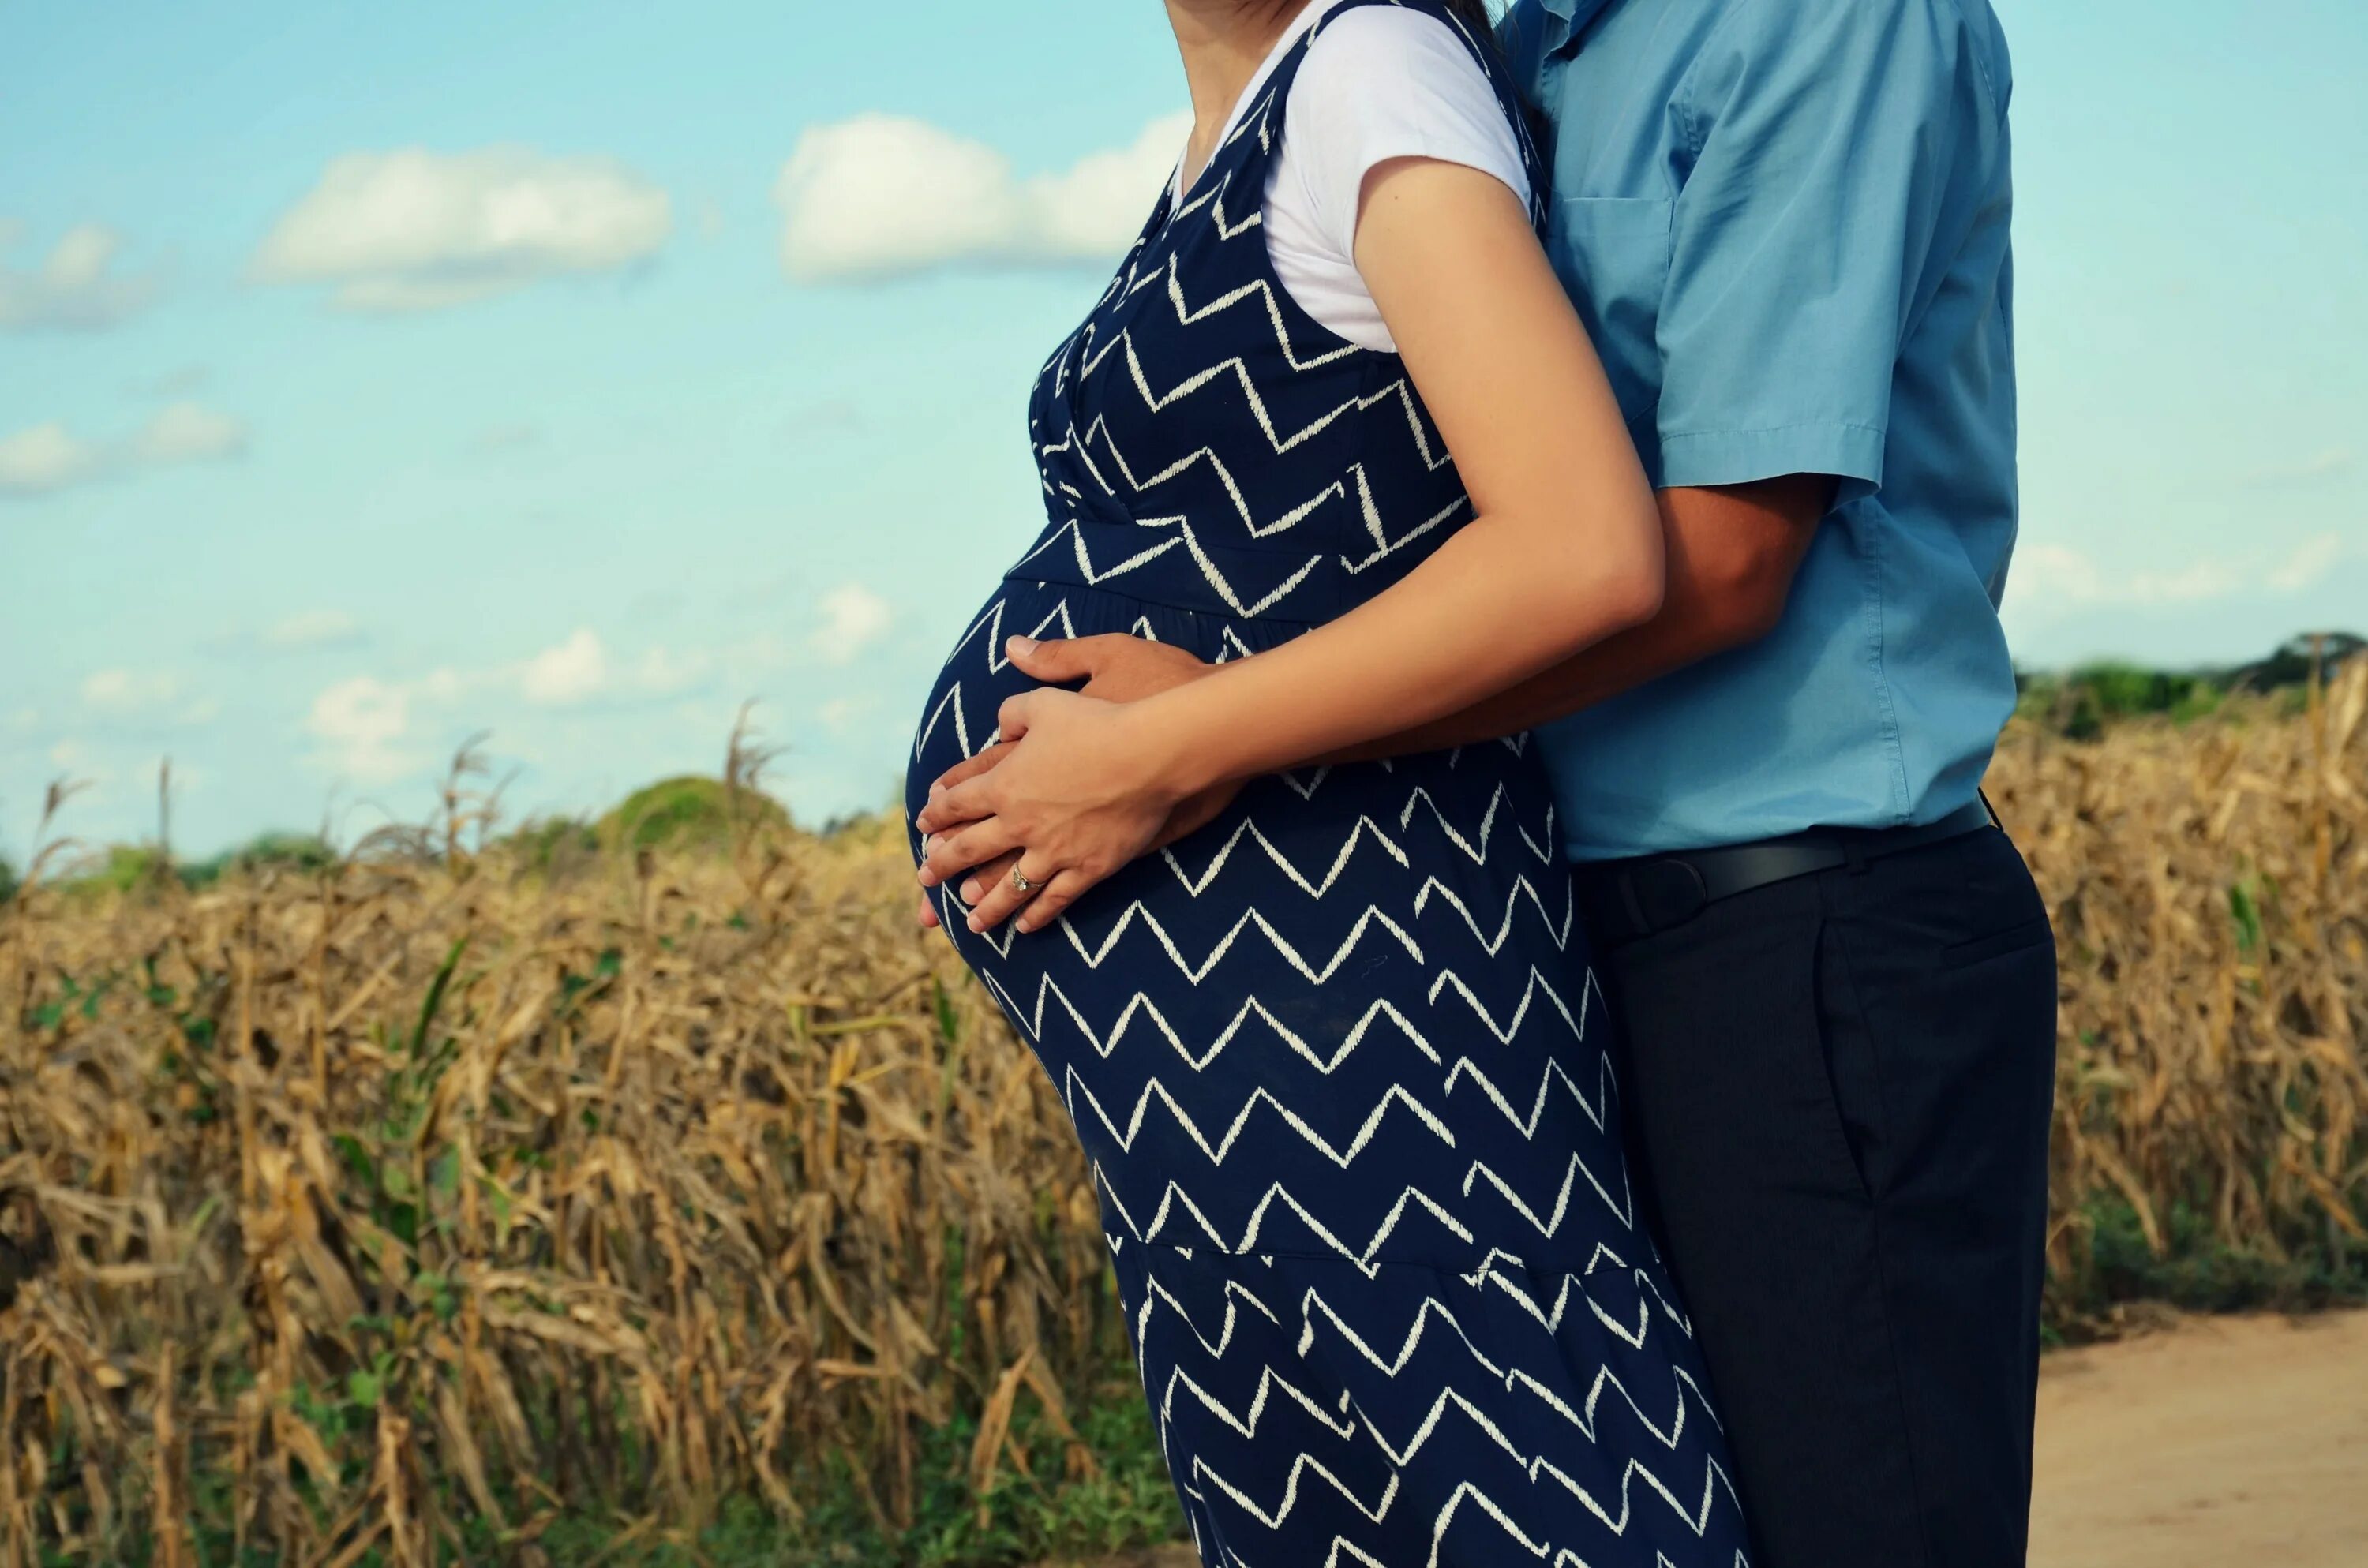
(1474, 15)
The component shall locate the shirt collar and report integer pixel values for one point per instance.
(1565, 19)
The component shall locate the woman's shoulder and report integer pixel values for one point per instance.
(1373, 48)
(1386, 81)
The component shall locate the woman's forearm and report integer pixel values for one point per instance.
(1482, 614)
(1565, 548)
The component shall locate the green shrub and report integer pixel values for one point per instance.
(550, 841)
(265, 852)
(690, 812)
(121, 869)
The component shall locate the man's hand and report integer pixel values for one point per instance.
(1114, 668)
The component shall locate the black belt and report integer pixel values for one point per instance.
(1623, 900)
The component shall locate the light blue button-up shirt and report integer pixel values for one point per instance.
(1785, 223)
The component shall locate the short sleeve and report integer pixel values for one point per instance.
(1843, 150)
(1379, 83)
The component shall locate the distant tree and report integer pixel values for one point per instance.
(265, 852)
(2292, 665)
(2079, 704)
(8, 882)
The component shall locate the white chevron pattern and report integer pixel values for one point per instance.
(1338, 1061)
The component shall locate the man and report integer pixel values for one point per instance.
(1787, 228)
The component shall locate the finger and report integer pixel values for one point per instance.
(970, 768)
(964, 805)
(1051, 903)
(1005, 898)
(1012, 719)
(1056, 660)
(958, 852)
(974, 886)
(927, 918)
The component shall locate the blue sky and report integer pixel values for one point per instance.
(372, 375)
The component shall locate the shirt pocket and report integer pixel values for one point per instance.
(1612, 254)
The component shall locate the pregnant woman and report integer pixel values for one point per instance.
(1335, 1057)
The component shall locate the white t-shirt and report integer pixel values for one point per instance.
(1381, 82)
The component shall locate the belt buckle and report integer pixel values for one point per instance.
(1675, 894)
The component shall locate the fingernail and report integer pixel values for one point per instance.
(936, 790)
(970, 891)
(928, 877)
(1021, 647)
(978, 923)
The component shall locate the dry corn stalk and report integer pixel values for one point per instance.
(428, 1194)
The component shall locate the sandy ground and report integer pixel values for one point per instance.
(2227, 1442)
(2221, 1443)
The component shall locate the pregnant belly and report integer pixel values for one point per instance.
(1356, 979)
(958, 719)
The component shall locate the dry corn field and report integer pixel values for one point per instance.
(403, 1213)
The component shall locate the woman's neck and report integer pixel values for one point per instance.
(1224, 42)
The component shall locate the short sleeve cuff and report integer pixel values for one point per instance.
(1700, 458)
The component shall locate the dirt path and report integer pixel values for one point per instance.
(2223, 1443)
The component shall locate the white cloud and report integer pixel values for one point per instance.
(2310, 561)
(2059, 572)
(44, 457)
(571, 672)
(1095, 210)
(74, 760)
(362, 724)
(579, 670)
(854, 617)
(2304, 472)
(148, 698)
(76, 288)
(414, 230)
(48, 457)
(129, 691)
(880, 196)
(2057, 578)
(313, 628)
(367, 723)
(189, 432)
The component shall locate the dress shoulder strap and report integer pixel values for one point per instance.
(1263, 125)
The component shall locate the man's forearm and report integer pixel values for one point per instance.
(1732, 555)
(1612, 666)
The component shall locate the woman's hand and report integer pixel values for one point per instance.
(1080, 792)
(1114, 667)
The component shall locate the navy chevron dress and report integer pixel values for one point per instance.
(1337, 1059)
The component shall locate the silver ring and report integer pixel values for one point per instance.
(1021, 884)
